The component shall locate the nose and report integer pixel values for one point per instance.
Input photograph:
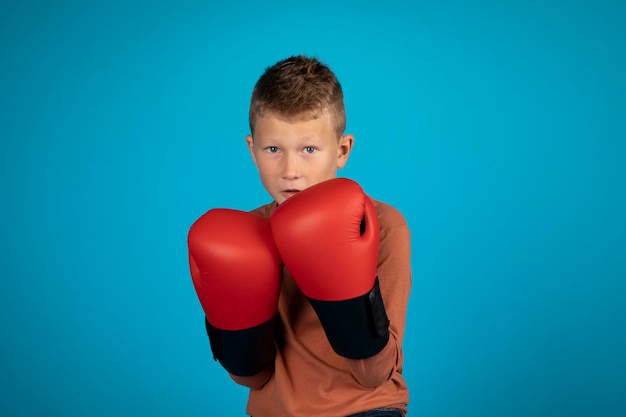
(291, 167)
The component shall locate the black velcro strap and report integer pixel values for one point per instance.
(377, 313)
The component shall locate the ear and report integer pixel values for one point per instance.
(345, 146)
(250, 143)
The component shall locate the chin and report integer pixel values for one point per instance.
(279, 199)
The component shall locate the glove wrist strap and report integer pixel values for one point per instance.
(243, 352)
(357, 328)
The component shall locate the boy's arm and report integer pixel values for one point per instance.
(255, 381)
(355, 274)
(374, 371)
(394, 273)
(328, 237)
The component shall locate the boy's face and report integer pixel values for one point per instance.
(292, 156)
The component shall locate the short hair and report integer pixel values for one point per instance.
(298, 88)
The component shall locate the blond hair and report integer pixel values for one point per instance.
(298, 88)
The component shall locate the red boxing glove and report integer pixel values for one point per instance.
(328, 237)
(236, 272)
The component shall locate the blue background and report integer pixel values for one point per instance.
(497, 128)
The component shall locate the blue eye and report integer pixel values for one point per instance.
(272, 149)
(309, 149)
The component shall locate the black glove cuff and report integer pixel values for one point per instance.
(357, 328)
(243, 352)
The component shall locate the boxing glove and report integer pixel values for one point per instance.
(236, 272)
(328, 238)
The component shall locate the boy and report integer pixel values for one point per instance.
(305, 298)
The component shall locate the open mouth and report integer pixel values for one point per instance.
(289, 193)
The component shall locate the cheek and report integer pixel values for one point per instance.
(334, 162)
(266, 169)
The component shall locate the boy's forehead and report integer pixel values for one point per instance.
(323, 115)
(269, 126)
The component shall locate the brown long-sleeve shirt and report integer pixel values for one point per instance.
(309, 378)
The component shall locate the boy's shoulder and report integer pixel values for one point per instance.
(388, 215)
